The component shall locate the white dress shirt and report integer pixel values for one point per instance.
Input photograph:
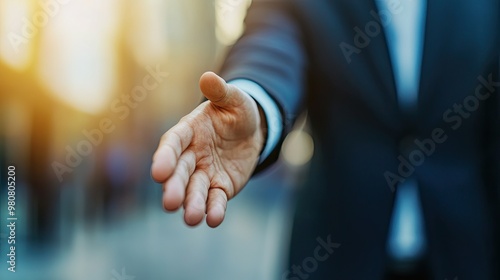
(405, 39)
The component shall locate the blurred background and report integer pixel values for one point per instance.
(87, 87)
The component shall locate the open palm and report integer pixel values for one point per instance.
(208, 157)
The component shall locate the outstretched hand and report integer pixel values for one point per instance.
(208, 157)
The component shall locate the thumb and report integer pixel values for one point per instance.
(219, 92)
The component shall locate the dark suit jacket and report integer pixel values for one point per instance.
(293, 49)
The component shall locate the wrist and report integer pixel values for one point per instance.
(262, 128)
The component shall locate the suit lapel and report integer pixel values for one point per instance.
(434, 47)
(378, 52)
(460, 38)
(372, 66)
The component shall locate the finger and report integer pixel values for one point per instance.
(219, 92)
(196, 198)
(216, 207)
(174, 189)
(171, 146)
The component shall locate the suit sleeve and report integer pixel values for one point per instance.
(271, 54)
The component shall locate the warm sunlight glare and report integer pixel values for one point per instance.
(17, 30)
(230, 15)
(78, 57)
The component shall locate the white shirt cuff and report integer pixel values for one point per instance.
(271, 111)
